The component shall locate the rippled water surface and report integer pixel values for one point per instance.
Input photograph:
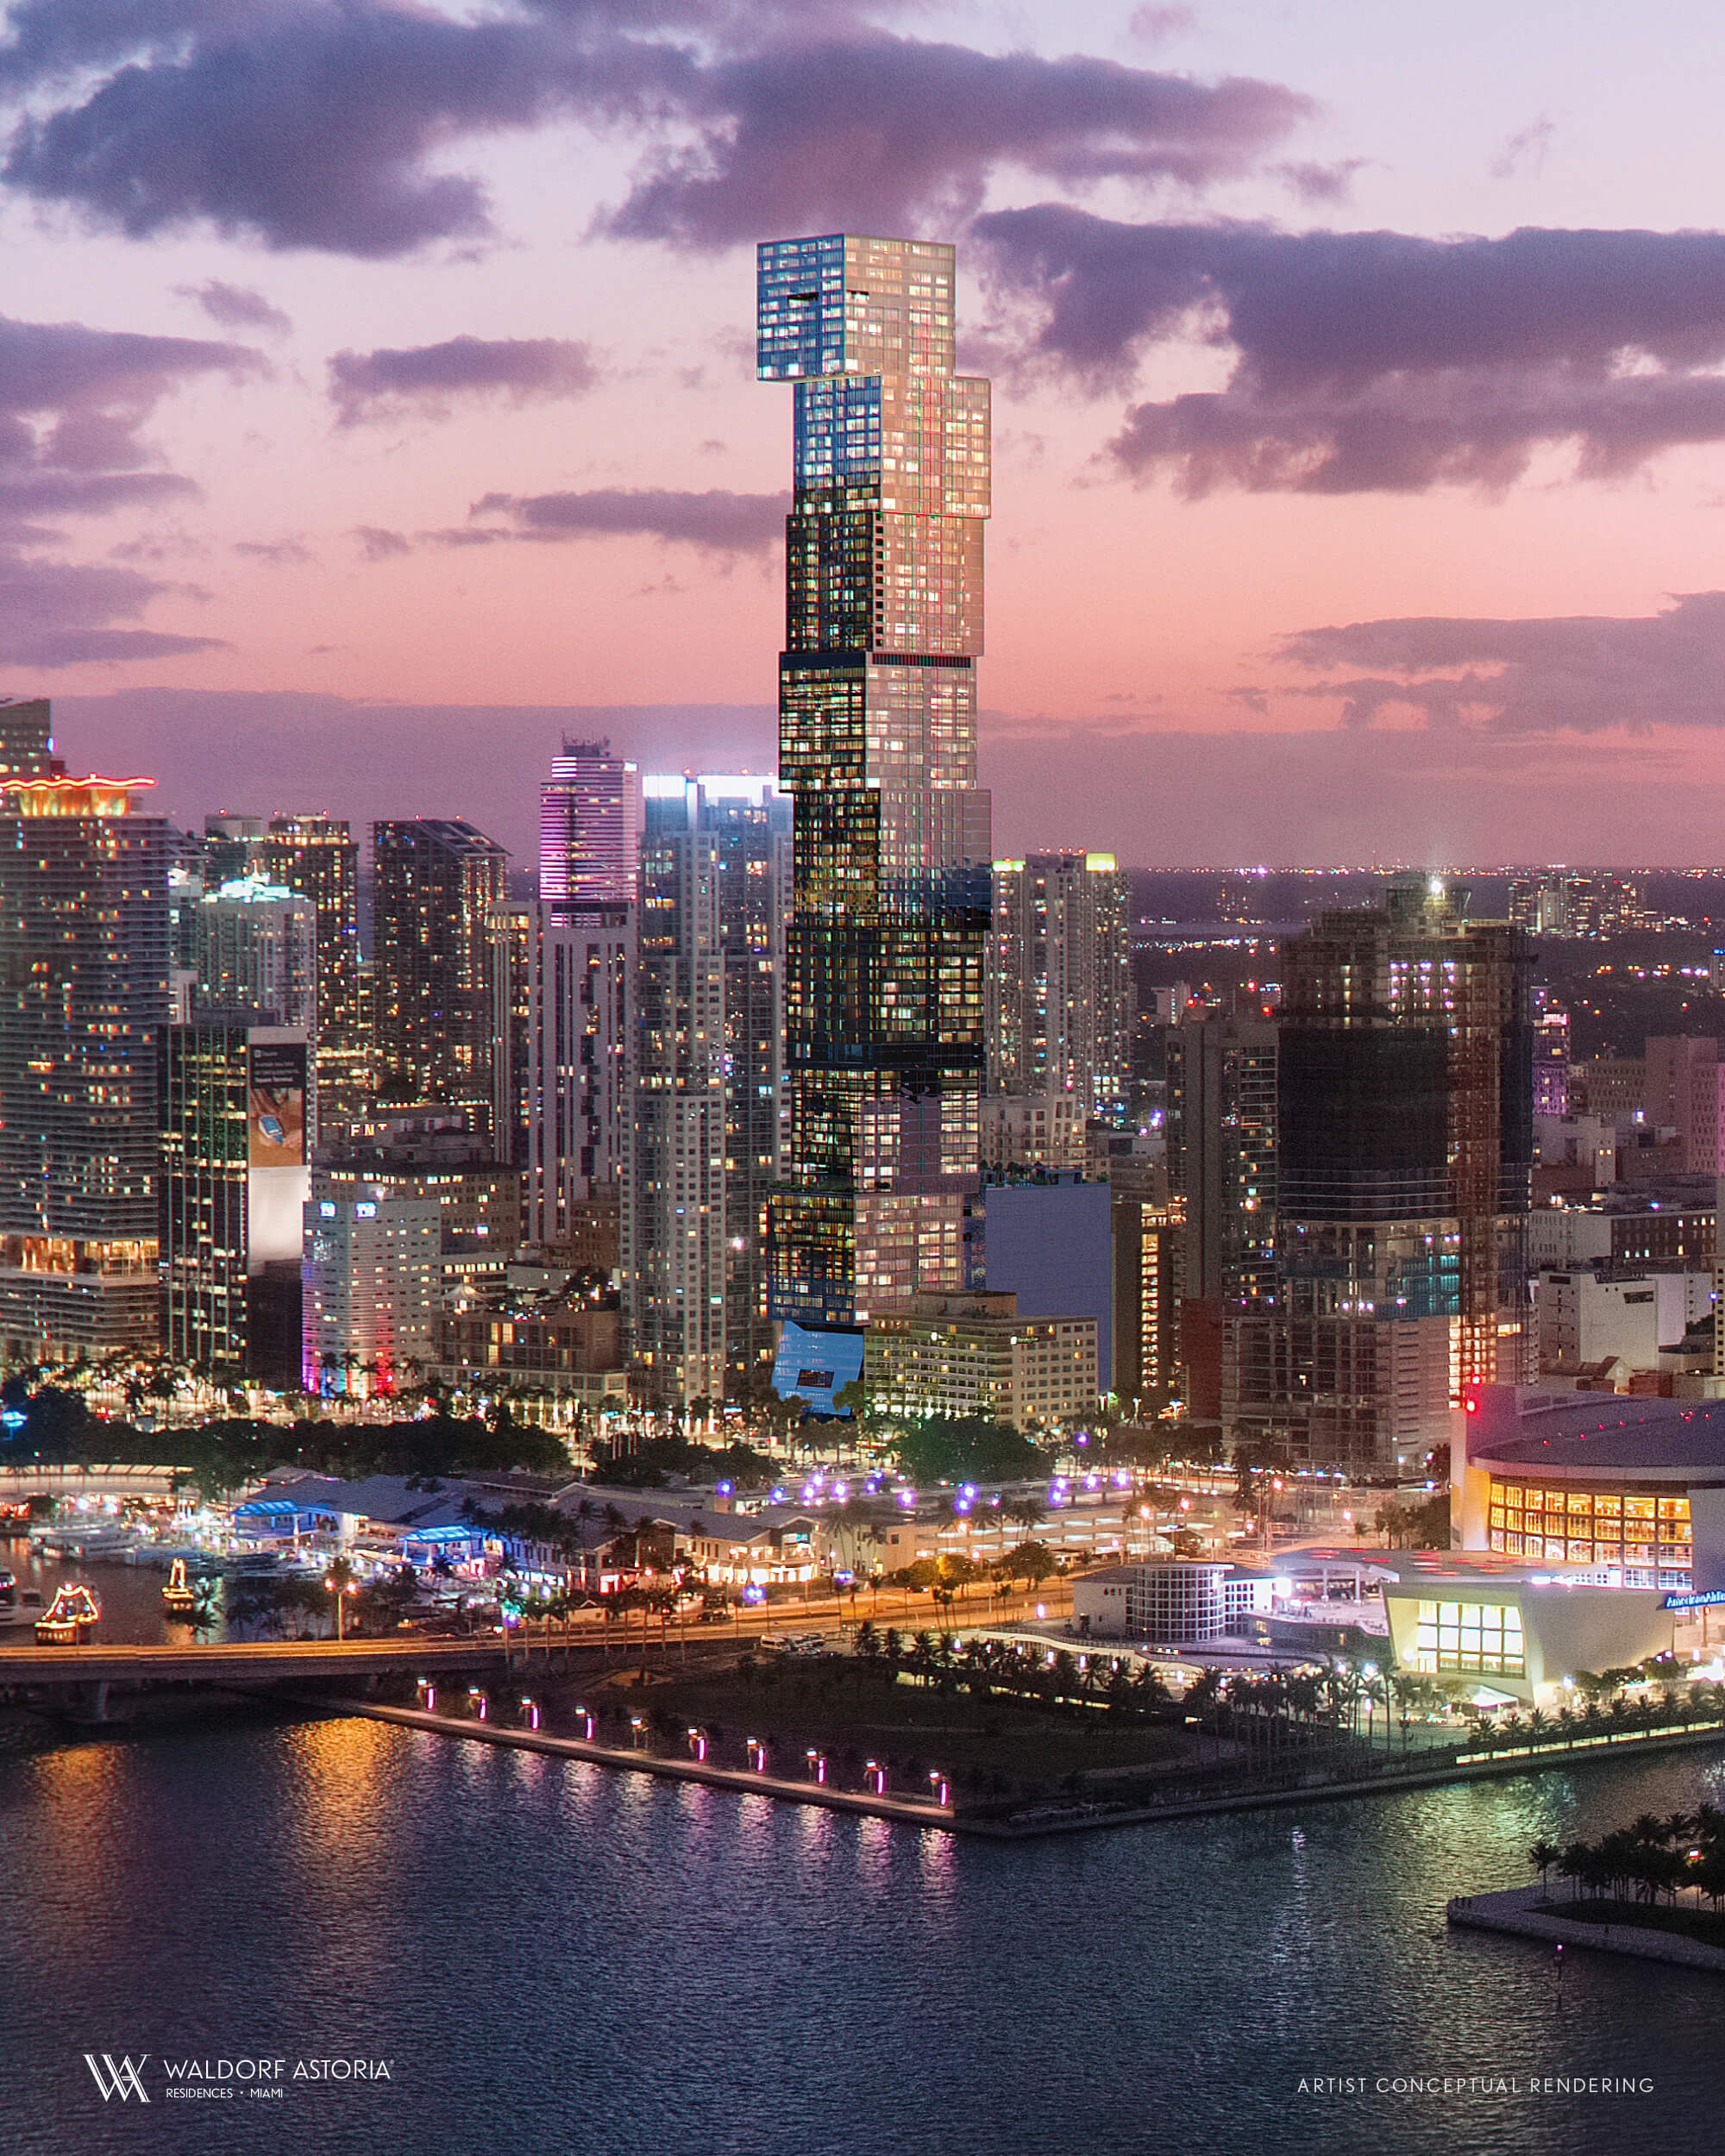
(551, 1957)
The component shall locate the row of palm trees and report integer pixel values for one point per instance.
(1694, 1704)
(985, 1668)
(1649, 1859)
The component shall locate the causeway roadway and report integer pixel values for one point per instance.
(243, 1661)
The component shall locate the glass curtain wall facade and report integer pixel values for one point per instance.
(877, 746)
(1405, 1140)
(319, 857)
(83, 964)
(589, 829)
(751, 823)
(579, 994)
(257, 951)
(674, 1179)
(1061, 1002)
(437, 884)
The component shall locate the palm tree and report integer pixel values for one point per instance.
(1544, 1854)
(339, 1581)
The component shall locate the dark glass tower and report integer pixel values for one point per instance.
(877, 745)
(436, 886)
(1404, 1142)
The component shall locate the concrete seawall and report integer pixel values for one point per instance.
(1517, 1912)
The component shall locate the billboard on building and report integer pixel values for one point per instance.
(275, 1108)
(816, 1362)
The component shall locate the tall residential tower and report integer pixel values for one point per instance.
(877, 746)
(1404, 1129)
(84, 949)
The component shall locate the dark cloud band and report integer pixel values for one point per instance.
(1378, 360)
(373, 385)
(1582, 673)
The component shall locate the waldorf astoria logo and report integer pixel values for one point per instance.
(118, 2078)
(225, 2078)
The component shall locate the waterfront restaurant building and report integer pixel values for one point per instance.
(1629, 1490)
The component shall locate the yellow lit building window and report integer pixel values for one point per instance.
(1485, 1637)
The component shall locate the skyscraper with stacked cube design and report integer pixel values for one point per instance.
(877, 746)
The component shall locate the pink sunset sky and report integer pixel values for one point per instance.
(377, 401)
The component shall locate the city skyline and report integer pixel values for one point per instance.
(1323, 531)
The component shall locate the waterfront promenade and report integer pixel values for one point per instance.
(905, 1810)
(1526, 1913)
(1076, 1815)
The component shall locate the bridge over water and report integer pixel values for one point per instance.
(79, 1680)
(119, 1478)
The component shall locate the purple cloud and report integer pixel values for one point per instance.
(873, 133)
(369, 385)
(58, 614)
(379, 545)
(280, 553)
(1582, 673)
(311, 126)
(57, 366)
(719, 521)
(1153, 24)
(323, 125)
(1529, 146)
(1377, 360)
(72, 401)
(236, 306)
(1326, 184)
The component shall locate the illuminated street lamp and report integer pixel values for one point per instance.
(340, 1584)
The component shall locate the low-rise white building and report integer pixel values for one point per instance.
(1182, 1603)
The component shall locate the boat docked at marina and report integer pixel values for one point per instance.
(18, 1605)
